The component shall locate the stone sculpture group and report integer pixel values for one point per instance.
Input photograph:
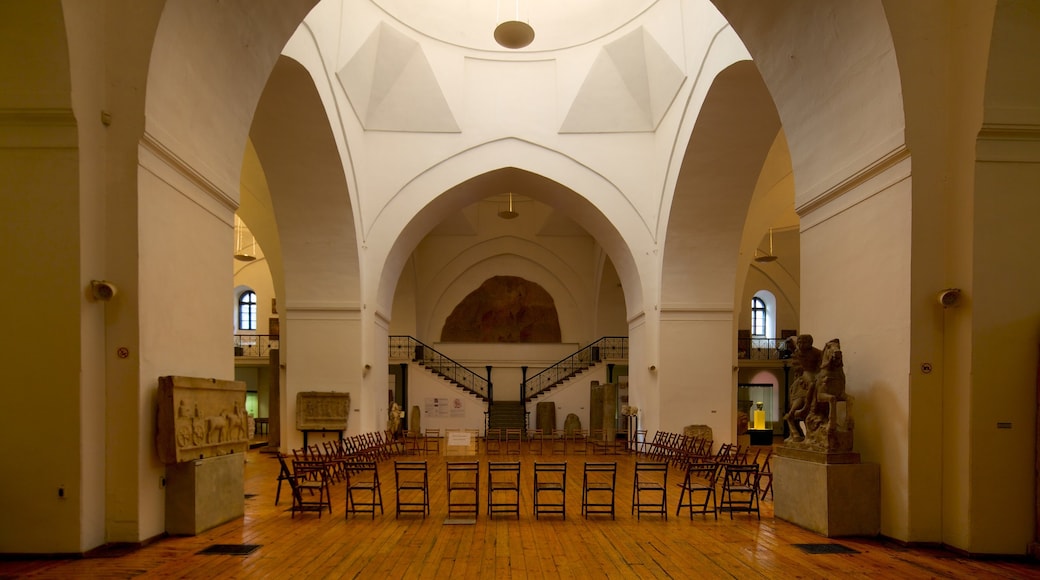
(815, 420)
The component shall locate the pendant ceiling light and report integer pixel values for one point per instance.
(514, 33)
(766, 257)
(509, 214)
(243, 251)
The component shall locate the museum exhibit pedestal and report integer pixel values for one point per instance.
(833, 494)
(761, 436)
(204, 493)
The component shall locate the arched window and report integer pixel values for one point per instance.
(247, 310)
(758, 317)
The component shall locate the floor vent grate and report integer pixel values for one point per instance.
(825, 549)
(230, 549)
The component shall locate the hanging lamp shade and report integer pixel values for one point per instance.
(509, 214)
(514, 33)
(243, 251)
(770, 257)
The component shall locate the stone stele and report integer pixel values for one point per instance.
(200, 418)
(545, 417)
(571, 423)
(322, 410)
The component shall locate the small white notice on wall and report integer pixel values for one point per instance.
(442, 407)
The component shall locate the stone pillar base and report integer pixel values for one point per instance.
(204, 493)
(825, 495)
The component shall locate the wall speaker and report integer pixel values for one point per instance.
(102, 289)
(950, 297)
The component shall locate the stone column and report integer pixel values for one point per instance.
(595, 406)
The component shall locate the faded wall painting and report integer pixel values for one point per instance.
(504, 309)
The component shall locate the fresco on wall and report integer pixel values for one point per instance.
(504, 309)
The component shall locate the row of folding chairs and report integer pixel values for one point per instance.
(712, 487)
(678, 448)
(555, 442)
(685, 451)
(422, 442)
(316, 467)
(372, 446)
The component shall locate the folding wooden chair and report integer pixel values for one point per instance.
(600, 479)
(766, 473)
(493, 441)
(412, 442)
(503, 480)
(463, 479)
(284, 474)
(310, 477)
(740, 489)
(412, 478)
(432, 441)
(513, 439)
(639, 443)
(579, 441)
(550, 478)
(599, 442)
(363, 479)
(700, 480)
(536, 441)
(559, 442)
(651, 478)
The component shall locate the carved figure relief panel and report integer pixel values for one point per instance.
(317, 410)
(199, 418)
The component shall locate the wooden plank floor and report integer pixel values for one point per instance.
(549, 547)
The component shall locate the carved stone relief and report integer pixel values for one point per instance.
(199, 418)
(317, 410)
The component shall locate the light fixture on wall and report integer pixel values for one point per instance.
(514, 33)
(509, 213)
(243, 251)
(770, 257)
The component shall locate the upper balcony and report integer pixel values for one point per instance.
(753, 348)
(255, 345)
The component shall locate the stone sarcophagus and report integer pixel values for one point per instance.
(200, 418)
(322, 411)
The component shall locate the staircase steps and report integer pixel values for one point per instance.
(506, 415)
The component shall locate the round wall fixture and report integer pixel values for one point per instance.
(514, 34)
(949, 297)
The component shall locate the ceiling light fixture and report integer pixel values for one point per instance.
(514, 33)
(243, 252)
(509, 214)
(770, 257)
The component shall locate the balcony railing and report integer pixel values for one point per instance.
(412, 349)
(755, 348)
(255, 345)
(606, 348)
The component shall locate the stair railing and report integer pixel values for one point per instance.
(410, 348)
(606, 348)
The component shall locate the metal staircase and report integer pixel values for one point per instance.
(414, 350)
(606, 348)
(508, 414)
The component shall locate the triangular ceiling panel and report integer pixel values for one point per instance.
(391, 86)
(559, 225)
(457, 224)
(628, 89)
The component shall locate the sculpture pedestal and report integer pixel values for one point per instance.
(204, 493)
(830, 494)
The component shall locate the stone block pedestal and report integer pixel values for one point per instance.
(204, 493)
(830, 494)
